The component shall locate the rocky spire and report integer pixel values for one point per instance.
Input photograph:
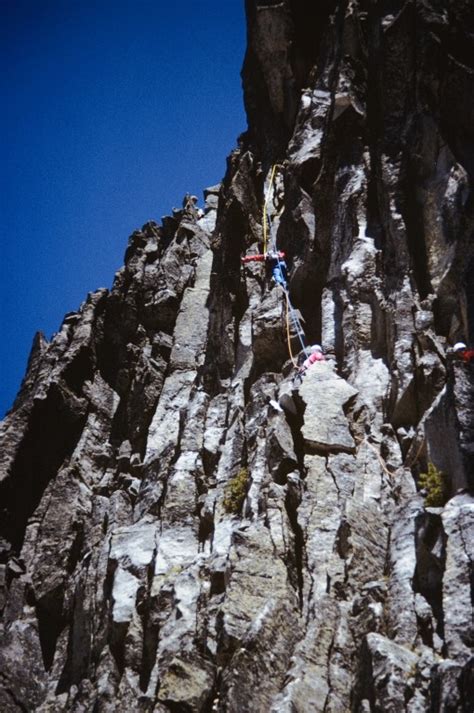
(185, 526)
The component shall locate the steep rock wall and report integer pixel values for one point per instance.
(182, 528)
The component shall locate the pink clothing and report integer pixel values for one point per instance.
(315, 356)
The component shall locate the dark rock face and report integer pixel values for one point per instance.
(127, 583)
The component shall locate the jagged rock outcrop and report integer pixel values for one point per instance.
(184, 526)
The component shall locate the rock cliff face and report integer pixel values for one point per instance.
(187, 528)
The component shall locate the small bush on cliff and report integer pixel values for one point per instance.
(436, 485)
(235, 491)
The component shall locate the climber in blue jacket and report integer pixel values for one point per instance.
(276, 262)
(278, 268)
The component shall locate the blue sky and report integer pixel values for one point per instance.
(112, 111)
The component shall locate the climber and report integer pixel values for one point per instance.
(190, 206)
(276, 261)
(461, 350)
(315, 354)
(288, 400)
(278, 268)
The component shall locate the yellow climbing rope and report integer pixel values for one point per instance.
(289, 306)
(267, 198)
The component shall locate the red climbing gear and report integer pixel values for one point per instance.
(264, 256)
(461, 350)
(276, 260)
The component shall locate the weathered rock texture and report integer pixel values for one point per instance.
(133, 576)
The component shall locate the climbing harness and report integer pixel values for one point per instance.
(277, 257)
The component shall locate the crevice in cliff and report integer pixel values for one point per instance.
(78, 656)
(136, 377)
(220, 349)
(114, 329)
(291, 507)
(461, 693)
(151, 630)
(51, 622)
(308, 174)
(430, 542)
(76, 547)
(212, 703)
(308, 36)
(306, 296)
(235, 226)
(292, 502)
(327, 702)
(364, 680)
(295, 422)
(117, 636)
(116, 631)
(206, 526)
(415, 228)
(54, 428)
(79, 370)
(378, 330)
(375, 227)
(210, 461)
(178, 707)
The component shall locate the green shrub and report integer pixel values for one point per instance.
(235, 491)
(436, 484)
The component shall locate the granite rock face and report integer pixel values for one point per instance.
(187, 527)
